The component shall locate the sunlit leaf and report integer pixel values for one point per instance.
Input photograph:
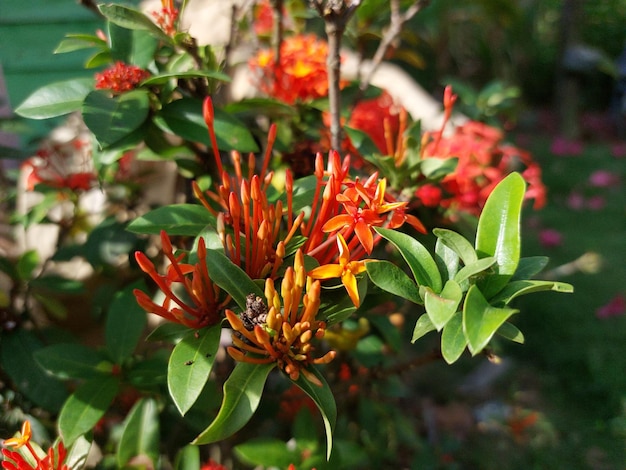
(511, 332)
(392, 279)
(140, 434)
(441, 307)
(56, 99)
(423, 325)
(453, 341)
(457, 243)
(231, 278)
(175, 219)
(73, 361)
(516, 288)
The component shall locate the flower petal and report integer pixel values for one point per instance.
(326, 271)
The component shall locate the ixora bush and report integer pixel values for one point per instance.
(275, 275)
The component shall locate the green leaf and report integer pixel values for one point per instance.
(56, 99)
(423, 325)
(457, 243)
(481, 320)
(57, 284)
(163, 78)
(442, 307)
(130, 46)
(511, 332)
(447, 260)
(453, 340)
(435, 168)
(325, 401)
(516, 288)
(75, 42)
(132, 19)
(184, 118)
(361, 141)
(140, 435)
(125, 324)
(529, 266)
(267, 453)
(84, 408)
(77, 453)
(168, 332)
(498, 233)
(416, 255)
(73, 361)
(473, 269)
(190, 365)
(188, 458)
(175, 219)
(111, 118)
(392, 279)
(242, 394)
(16, 349)
(231, 278)
(26, 264)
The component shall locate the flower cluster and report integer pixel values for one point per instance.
(120, 77)
(199, 303)
(300, 74)
(52, 460)
(282, 330)
(167, 17)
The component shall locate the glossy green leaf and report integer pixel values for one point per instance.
(111, 118)
(267, 452)
(511, 332)
(190, 365)
(423, 325)
(16, 349)
(416, 255)
(392, 279)
(325, 401)
(125, 324)
(132, 19)
(132, 46)
(168, 332)
(453, 341)
(84, 408)
(447, 260)
(441, 307)
(457, 243)
(140, 434)
(435, 168)
(473, 269)
(175, 219)
(231, 278)
(529, 266)
(188, 458)
(242, 394)
(162, 78)
(75, 42)
(481, 320)
(516, 288)
(73, 361)
(498, 233)
(184, 118)
(56, 99)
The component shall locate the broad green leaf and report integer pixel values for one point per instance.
(473, 269)
(132, 19)
(75, 42)
(184, 118)
(434, 168)
(175, 219)
(481, 320)
(447, 260)
(511, 332)
(516, 288)
(442, 307)
(231, 278)
(453, 340)
(267, 452)
(188, 458)
(416, 255)
(362, 142)
(125, 324)
(423, 325)
(57, 284)
(84, 408)
(325, 401)
(140, 435)
(392, 279)
(162, 78)
(56, 99)
(16, 349)
(529, 266)
(168, 332)
(457, 243)
(132, 46)
(73, 361)
(498, 232)
(111, 118)
(190, 365)
(242, 394)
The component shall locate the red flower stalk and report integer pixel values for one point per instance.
(120, 77)
(53, 459)
(203, 305)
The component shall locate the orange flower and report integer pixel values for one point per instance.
(194, 279)
(22, 440)
(345, 269)
(167, 17)
(12, 460)
(281, 330)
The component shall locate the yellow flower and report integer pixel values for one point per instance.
(24, 439)
(346, 270)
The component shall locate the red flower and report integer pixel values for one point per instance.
(167, 17)
(379, 118)
(121, 77)
(13, 460)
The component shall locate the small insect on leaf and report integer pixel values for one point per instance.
(188, 363)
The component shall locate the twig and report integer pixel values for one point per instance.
(277, 31)
(90, 5)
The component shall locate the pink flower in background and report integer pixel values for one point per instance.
(603, 179)
(596, 203)
(562, 146)
(575, 200)
(615, 307)
(550, 238)
(619, 150)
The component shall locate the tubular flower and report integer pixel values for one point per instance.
(167, 17)
(204, 305)
(121, 77)
(345, 269)
(282, 330)
(12, 460)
